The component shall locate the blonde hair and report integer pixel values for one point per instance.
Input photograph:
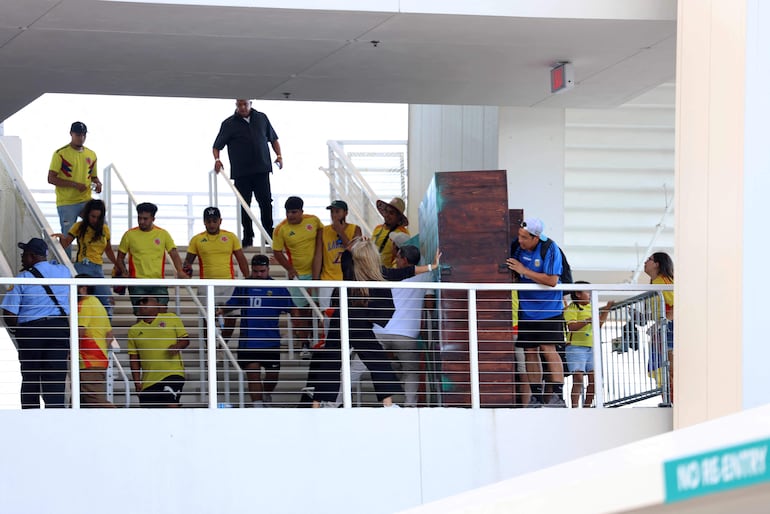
(366, 265)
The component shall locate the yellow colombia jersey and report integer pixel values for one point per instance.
(575, 312)
(70, 164)
(93, 347)
(215, 253)
(668, 296)
(150, 341)
(298, 241)
(332, 252)
(387, 250)
(87, 247)
(146, 251)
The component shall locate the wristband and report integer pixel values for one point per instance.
(430, 267)
(217, 160)
(278, 157)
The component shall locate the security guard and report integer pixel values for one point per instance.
(39, 317)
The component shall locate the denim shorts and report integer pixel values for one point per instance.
(297, 297)
(580, 359)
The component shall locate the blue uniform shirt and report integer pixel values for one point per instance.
(31, 302)
(540, 304)
(260, 308)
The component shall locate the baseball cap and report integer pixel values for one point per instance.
(293, 202)
(36, 246)
(338, 204)
(399, 238)
(78, 127)
(535, 226)
(211, 212)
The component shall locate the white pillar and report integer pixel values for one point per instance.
(721, 181)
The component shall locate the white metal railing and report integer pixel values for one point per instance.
(347, 182)
(473, 348)
(229, 357)
(267, 239)
(115, 364)
(38, 227)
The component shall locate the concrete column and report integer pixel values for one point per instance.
(712, 276)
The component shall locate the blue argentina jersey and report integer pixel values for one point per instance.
(260, 309)
(540, 304)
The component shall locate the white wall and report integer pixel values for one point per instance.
(532, 150)
(448, 138)
(13, 145)
(288, 460)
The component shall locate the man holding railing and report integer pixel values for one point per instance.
(246, 134)
(541, 322)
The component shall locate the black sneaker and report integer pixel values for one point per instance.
(534, 402)
(247, 242)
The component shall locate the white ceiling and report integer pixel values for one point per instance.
(90, 46)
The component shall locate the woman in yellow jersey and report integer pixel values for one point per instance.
(93, 237)
(660, 268)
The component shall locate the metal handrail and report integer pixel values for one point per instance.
(354, 174)
(228, 353)
(109, 170)
(267, 239)
(126, 381)
(40, 220)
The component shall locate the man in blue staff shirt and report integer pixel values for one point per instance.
(38, 316)
(259, 341)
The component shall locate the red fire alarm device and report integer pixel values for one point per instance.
(562, 77)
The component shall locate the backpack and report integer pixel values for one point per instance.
(566, 270)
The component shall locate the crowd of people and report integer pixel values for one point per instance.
(384, 324)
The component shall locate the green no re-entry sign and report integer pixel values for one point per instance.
(716, 471)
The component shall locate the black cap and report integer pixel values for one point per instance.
(78, 127)
(294, 202)
(36, 246)
(260, 260)
(211, 212)
(338, 204)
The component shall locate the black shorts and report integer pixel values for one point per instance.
(534, 332)
(268, 358)
(166, 392)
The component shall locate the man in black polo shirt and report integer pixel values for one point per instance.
(246, 134)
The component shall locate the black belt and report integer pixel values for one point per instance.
(49, 318)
